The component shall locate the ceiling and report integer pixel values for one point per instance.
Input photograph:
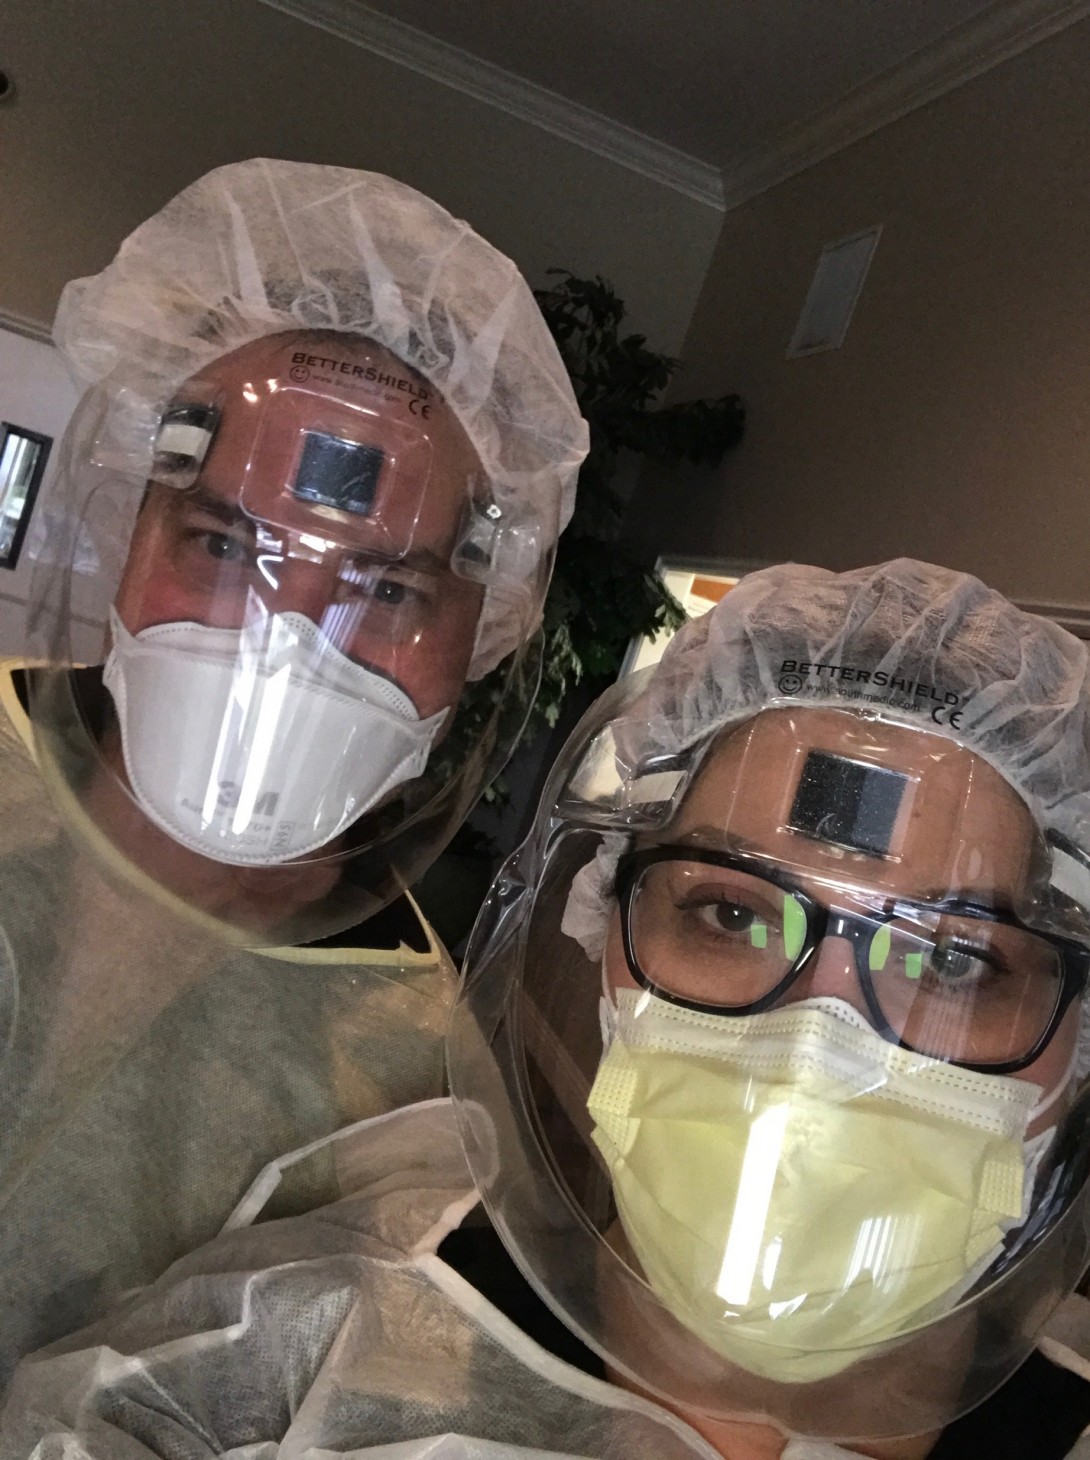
(119, 104)
(718, 99)
(714, 78)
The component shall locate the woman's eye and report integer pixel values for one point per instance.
(955, 963)
(725, 917)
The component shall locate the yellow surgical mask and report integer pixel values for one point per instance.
(796, 1189)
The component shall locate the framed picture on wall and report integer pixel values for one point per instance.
(23, 455)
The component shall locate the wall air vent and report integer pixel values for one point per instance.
(837, 282)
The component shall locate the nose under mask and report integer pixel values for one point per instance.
(256, 747)
(797, 1190)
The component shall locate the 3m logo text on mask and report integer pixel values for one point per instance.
(231, 793)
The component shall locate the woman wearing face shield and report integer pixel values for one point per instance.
(793, 1140)
(283, 636)
(766, 1066)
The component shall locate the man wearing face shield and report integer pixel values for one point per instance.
(309, 504)
(324, 456)
(766, 1066)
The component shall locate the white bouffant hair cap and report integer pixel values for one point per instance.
(261, 247)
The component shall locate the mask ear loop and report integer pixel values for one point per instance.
(1036, 1148)
(607, 1012)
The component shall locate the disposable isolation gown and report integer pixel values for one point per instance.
(338, 1332)
(148, 1072)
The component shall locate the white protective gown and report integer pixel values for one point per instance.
(336, 1332)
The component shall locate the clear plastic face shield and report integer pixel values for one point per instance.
(293, 595)
(772, 1048)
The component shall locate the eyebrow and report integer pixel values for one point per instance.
(203, 499)
(986, 898)
(715, 839)
(421, 560)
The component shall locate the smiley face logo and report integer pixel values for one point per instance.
(789, 684)
(299, 373)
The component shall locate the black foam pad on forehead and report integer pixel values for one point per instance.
(338, 473)
(847, 802)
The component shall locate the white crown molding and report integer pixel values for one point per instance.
(23, 324)
(1074, 617)
(1003, 31)
(352, 21)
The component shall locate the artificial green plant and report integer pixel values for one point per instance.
(602, 596)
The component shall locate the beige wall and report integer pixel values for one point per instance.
(954, 424)
(122, 102)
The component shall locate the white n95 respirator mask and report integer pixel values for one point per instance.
(797, 1190)
(255, 746)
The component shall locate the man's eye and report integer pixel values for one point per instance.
(383, 588)
(224, 548)
(389, 590)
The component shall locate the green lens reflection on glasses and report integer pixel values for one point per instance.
(878, 956)
(794, 927)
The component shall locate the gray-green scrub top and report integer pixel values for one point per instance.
(148, 1072)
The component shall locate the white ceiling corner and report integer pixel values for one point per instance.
(997, 34)
(357, 23)
(1001, 31)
